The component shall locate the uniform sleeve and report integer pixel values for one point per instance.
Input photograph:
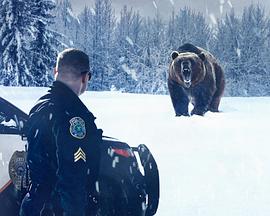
(75, 140)
(94, 163)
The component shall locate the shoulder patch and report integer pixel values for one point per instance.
(77, 127)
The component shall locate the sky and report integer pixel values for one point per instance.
(149, 7)
(213, 165)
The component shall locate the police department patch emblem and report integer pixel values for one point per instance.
(77, 127)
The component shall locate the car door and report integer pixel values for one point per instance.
(12, 121)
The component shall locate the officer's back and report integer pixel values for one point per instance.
(63, 151)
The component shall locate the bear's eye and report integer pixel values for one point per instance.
(177, 63)
(193, 62)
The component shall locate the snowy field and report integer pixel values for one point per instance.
(216, 165)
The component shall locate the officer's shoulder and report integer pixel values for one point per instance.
(43, 106)
(67, 115)
(90, 115)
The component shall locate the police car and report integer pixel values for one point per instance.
(128, 182)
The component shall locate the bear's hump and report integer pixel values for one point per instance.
(187, 55)
(187, 47)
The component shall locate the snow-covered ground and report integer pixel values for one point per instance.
(216, 165)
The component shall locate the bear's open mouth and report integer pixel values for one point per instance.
(186, 74)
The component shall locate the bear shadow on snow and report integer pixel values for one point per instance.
(195, 76)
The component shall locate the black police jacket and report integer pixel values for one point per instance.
(63, 148)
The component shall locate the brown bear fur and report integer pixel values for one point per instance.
(195, 76)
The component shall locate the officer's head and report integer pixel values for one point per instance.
(72, 68)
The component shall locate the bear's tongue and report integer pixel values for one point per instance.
(187, 83)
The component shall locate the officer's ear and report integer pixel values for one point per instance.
(55, 73)
(84, 78)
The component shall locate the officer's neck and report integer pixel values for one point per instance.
(73, 85)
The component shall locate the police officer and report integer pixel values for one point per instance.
(63, 141)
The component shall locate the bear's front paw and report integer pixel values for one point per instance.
(200, 112)
(213, 110)
(182, 114)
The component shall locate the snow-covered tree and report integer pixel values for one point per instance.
(2, 20)
(241, 44)
(66, 23)
(227, 50)
(155, 52)
(255, 53)
(86, 29)
(44, 45)
(171, 37)
(14, 29)
(127, 49)
(103, 44)
(159, 56)
(188, 26)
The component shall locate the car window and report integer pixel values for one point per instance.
(8, 125)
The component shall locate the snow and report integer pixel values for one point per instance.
(36, 133)
(129, 40)
(130, 71)
(113, 88)
(238, 51)
(10, 123)
(230, 3)
(70, 12)
(97, 186)
(121, 59)
(213, 165)
(172, 2)
(221, 5)
(221, 9)
(206, 11)
(213, 18)
(155, 4)
(93, 11)
(115, 161)
(19, 44)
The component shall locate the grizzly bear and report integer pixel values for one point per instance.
(195, 76)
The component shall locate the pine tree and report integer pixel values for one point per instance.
(227, 49)
(45, 44)
(241, 45)
(66, 24)
(103, 44)
(86, 32)
(254, 55)
(152, 73)
(127, 48)
(14, 30)
(171, 31)
(190, 27)
(2, 21)
(159, 55)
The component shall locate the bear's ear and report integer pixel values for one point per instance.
(174, 54)
(202, 56)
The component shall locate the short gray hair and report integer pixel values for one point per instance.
(72, 61)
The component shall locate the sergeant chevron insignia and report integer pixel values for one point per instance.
(77, 127)
(79, 154)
